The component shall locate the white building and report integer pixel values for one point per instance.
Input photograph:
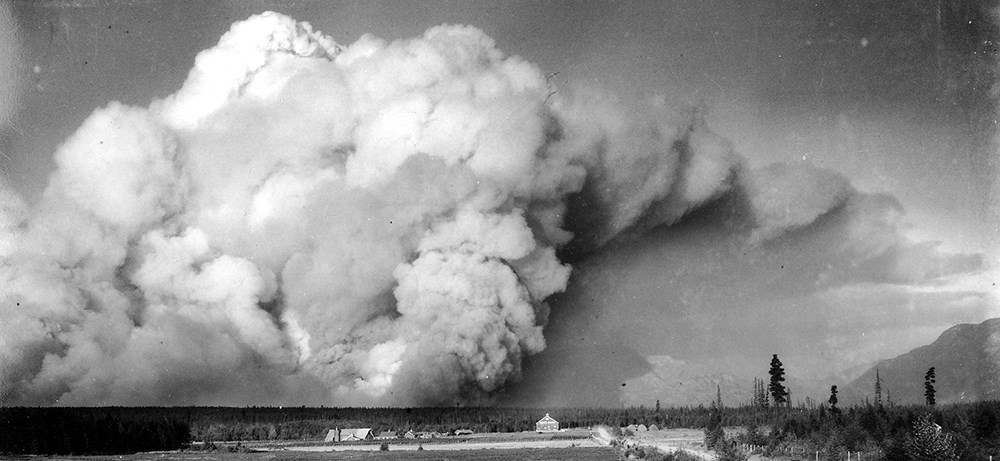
(547, 424)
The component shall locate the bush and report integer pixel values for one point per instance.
(726, 451)
(654, 454)
(929, 443)
(682, 455)
(753, 436)
(383, 447)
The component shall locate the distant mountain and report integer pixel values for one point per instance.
(966, 361)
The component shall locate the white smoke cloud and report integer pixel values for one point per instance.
(786, 197)
(11, 68)
(307, 221)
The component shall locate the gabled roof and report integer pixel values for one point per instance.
(362, 433)
(547, 419)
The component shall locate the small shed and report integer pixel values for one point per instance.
(547, 424)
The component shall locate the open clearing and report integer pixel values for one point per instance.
(514, 454)
(499, 441)
(670, 440)
(574, 444)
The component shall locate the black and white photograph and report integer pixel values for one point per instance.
(667, 230)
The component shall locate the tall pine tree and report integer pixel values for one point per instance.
(878, 389)
(778, 393)
(833, 399)
(929, 386)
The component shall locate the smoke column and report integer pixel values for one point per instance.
(10, 67)
(304, 221)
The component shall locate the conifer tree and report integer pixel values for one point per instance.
(777, 372)
(833, 399)
(759, 393)
(878, 389)
(929, 386)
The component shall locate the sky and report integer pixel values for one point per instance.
(837, 202)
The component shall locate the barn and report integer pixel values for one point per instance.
(547, 424)
(348, 435)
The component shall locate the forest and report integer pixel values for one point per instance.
(769, 424)
(86, 431)
(971, 430)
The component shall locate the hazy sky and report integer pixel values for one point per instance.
(884, 95)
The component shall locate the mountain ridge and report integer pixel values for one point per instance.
(966, 361)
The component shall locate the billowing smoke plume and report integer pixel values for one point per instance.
(306, 221)
(10, 64)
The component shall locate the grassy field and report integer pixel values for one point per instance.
(529, 446)
(513, 454)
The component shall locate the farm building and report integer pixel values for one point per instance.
(642, 428)
(385, 435)
(348, 435)
(410, 434)
(547, 424)
(653, 427)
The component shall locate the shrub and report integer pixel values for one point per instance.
(715, 437)
(726, 451)
(929, 443)
(383, 447)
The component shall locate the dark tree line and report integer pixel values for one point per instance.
(85, 431)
